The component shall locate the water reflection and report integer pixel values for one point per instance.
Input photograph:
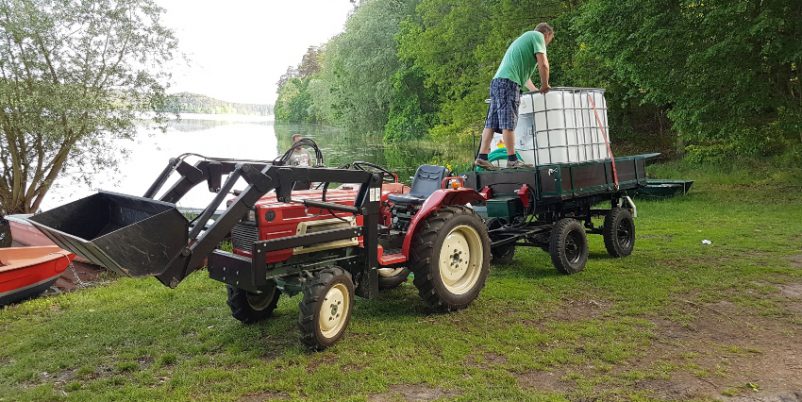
(244, 138)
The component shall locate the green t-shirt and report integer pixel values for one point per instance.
(519, 63)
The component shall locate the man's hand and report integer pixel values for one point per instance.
(544, 88)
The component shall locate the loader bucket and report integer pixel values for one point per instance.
(130, 235)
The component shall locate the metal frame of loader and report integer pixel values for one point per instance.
(201, 239)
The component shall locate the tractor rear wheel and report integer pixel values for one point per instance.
(391, 278)
(325, 308)
(568, 246)
(619, 232)
(450, 257)
(250, 307)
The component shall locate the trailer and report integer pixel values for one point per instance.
(552, 207)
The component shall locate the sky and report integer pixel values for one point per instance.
(236, 50)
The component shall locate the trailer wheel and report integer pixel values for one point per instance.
(619, 232)
(391, 278)
(568, 246)
(250, 307)
(503, 254)
(450, 258)
(325, 308)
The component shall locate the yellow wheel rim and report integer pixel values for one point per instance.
(259, 301)
(389, 272)
(334, 310)
(461, 259)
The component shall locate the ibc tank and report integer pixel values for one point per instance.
(564, 125)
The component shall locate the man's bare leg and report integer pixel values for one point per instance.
(484, 148)
(509, 141)
(487, 137)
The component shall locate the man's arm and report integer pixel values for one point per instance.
(543, 70)
(531, 86)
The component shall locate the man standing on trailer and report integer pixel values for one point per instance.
(524, 55)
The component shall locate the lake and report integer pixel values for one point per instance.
(243, 137)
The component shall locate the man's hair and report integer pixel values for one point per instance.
(298, 136)
(544, 28)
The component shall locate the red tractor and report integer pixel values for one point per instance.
(331, 233)
(356, 231)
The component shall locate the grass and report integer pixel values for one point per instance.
(532, 335)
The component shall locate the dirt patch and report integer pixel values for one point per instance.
(494, 359)
(412, 392)
(781, 397)
(264, 396)
(792, 291)
(579, 310)
(543, 381)
(725, 351)
(318, 360)
(680, 387)
(796, 261)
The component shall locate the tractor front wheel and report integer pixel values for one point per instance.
(325, 308)
(568, 246)
(450, 257)
(250, 307)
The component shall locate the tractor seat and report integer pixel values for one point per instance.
(427, 179)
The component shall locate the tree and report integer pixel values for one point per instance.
(728, 72)
(360, 63)
(73, 76)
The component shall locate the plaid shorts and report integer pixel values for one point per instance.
(505, 97)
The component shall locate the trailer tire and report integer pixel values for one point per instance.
(249, 307)
(568, 246)
(503, 255)
(392, 278)
(619, 232)
(443, 238)
(325, 310)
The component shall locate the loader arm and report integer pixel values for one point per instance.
(143, 236)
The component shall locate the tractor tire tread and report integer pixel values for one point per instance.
(241, 310)
(312, 293)
(422, 253)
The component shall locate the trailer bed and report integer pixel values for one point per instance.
(555, 183)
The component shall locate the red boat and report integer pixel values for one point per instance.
(26, 272)
(25, 234)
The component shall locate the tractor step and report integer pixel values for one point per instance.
(391, 257)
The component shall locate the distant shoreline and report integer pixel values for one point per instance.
(224, 117)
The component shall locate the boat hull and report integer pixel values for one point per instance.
(28, 271)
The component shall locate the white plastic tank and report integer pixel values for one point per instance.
(564, 125)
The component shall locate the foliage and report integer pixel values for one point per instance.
(725, 70)
(354, 86)
(715, 78)
(73, 77)
(293, 101)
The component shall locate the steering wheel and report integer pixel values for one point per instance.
(387, 176)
